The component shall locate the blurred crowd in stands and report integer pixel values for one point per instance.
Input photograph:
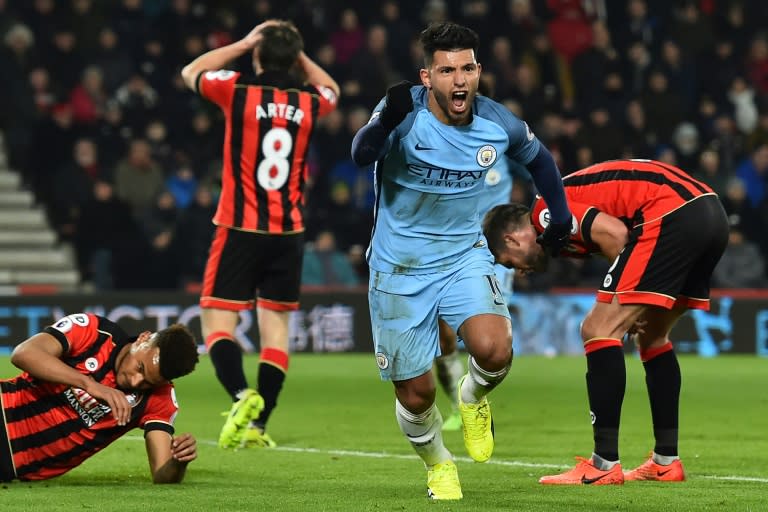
(126, 160)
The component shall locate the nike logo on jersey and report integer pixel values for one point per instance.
(419, 147)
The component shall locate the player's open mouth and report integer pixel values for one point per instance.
(459, 100)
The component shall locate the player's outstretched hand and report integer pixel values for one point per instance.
(399, 103)
(555, 237)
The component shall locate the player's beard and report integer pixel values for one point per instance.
(446, 105)
(539, 261)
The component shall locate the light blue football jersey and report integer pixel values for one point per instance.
(430, 184)
(498, 186)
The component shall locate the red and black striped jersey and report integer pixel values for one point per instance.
(268, 125)
(52, 427)
(635, 191)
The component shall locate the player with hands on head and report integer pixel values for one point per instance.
(84, 384)
(428, 258)
(257, 251)
(646, 218)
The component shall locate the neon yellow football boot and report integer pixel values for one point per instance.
(443, 482)
(248, 406)
(477, 424)
(255, 438)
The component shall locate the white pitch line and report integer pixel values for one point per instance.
(376, 455)
(385, 455)
(497, 462)
(736, 478)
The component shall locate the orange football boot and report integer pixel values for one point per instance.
(585, 473)
(650, 470)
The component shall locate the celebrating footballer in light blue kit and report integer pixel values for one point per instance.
(432, 185)
(433, 146)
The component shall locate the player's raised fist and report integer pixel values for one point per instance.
(399, 103)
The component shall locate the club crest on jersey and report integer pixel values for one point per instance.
(382, 361)
(91, 364)
(486, 156)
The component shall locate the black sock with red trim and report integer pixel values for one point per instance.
(227, 358)
(272, 370)
(663, 379)
(606, 381)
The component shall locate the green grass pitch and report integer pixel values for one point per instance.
(340, 448)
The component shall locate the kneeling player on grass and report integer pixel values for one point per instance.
(85, 384)
(664, 232)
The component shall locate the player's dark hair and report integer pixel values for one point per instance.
(178, 351)
(280, 47)
(501, 219)
(447, 36)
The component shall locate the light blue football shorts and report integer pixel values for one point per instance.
(404, 309)
(506, 277)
